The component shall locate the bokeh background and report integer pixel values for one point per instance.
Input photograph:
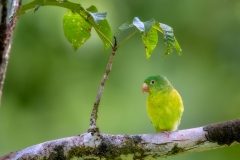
(49, 89)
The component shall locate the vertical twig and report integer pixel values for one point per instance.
(93, 120)
(8, 8)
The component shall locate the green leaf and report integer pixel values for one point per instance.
(92, 9)
(104, 31)
(143, 26)
(177, 47)
(149, 34)
(125, 26)
(169, 38)
(76, 29)
(37, 7)
(89, 16)
(150, 41)
(102, 28)
(149, 30)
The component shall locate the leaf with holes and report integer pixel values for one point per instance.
(169, 38)
(150, 41)
(76, 29)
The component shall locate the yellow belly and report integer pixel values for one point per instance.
(165, 110)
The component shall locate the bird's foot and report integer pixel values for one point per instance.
(166, 132)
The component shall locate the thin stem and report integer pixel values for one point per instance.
(126, 39)
(97, 30)
(93, 127)
(102, 34)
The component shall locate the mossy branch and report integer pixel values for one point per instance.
(142, 146)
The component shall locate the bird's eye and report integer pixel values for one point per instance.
(152, 82)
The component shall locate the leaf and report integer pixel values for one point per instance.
(90, 16)
(139, 24)
(76, 29)
(177, 47)
(75, 7)
(169, 38)
(150, 41)
(143, 26)
(104, 31)
(97, 16)
(92, 9)
(37, 7)
(149, 30)
(102, 28)
(125, 26)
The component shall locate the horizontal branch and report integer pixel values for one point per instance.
(142, 146)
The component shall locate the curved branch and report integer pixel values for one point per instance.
(142, 146)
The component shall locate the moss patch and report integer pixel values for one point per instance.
(175, 150)
(107, 149)
(57, 154)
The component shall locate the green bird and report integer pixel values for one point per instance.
(164, 104)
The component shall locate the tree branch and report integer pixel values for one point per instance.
(7, 9)
(93, 127)
(142, 146)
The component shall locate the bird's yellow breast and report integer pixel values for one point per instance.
(165, 110)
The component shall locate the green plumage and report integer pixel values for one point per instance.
(164, 104)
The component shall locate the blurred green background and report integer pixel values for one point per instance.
(49, 89)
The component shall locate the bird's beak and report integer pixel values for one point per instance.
(145, 88)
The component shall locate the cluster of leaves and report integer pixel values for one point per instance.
(149, 34)
(78, 23)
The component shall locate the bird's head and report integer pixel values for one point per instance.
(156, 83)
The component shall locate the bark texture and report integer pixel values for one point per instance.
(143, 146)
(224, 133)
(7, 9)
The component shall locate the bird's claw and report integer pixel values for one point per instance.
(167, 132)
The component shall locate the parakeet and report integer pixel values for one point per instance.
(164, 104)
